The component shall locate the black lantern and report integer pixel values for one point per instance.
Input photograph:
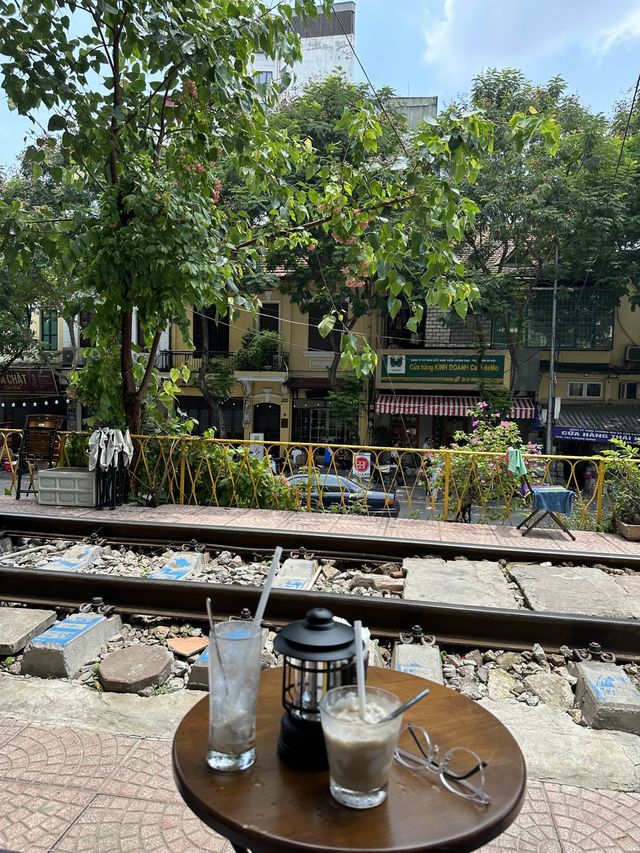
(319, 653)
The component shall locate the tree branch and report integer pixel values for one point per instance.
(146, 379)
(388, 202)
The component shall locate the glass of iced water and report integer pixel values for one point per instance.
(360, 751)
(234, 672)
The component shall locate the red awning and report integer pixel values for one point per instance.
(405, 404)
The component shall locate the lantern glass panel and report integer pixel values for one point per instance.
(306, 682)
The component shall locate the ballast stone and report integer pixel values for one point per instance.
(133, 668)
(180, 566)
(74, 559)
(66, 646)
(479, 583)
(607, 696)
(416, 659)
(19, 624)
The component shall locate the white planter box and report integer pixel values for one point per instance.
(67, 487)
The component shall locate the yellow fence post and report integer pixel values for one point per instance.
(447, 479)
(183, 465)
(309, 475)
(599, 489)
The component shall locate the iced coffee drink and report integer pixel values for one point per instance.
(360, 751)
(234, 671)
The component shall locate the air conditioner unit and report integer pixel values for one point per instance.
(632, 354)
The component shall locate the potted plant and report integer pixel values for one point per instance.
(623, 489)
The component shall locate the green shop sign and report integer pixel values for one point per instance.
(439, 368)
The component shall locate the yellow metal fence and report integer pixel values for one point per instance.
(451, 485)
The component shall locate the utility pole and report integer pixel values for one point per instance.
(552, 362)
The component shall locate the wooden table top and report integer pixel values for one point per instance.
(272, 808)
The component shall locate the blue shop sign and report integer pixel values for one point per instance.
(597, 436)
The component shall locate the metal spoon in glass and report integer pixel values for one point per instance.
(404, 707)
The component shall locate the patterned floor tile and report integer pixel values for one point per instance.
(33, 817)
(145, 773)
(118, 824)
(595, 821)
(57, 755)
(9, 728)
(533, 831)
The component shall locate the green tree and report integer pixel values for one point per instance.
(34, 204)
(146, 99)
(532, 200)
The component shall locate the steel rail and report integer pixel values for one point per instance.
(334, 543)
(386, 617)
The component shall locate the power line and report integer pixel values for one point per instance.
(372, 87)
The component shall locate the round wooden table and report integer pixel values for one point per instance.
(271, 808)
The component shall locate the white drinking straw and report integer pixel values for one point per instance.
(362, 696)
(266, 589)
(210, 614)
(212, 639)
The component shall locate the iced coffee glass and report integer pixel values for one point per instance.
(234, 672)
(360, 751)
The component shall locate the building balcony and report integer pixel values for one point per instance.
(168, 359)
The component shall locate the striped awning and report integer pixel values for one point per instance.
(405, 404)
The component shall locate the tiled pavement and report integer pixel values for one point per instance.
(422, 532)
(64, 789)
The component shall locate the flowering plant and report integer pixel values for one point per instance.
(479, 479)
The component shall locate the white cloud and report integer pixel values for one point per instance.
(465, 36)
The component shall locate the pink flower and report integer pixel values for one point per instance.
(475, 440)
(504, 424)
(474, 423)
(484, 404)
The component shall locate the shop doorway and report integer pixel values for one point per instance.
(266, 419)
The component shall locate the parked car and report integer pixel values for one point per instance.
(329, 490)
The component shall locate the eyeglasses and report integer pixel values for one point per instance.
(454, 770)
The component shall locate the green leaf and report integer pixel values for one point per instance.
(325, 326)
(57, 122)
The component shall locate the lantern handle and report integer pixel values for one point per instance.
(404, 707)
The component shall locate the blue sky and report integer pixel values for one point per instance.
(434, 47)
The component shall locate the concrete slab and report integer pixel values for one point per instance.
(296, 574)
(37, 700)
(557, 750)
(607, 696)
(416, 659)
(179, 566)
(66, 646)
(74, 559)
(199, 673)
(133, 668)
(581, 589)
(472, 582)
(19, 624)
(630, 584)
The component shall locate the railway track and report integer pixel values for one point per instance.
(451, 625)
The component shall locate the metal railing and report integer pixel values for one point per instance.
(449, 485)
(170, 358)
(167, 359)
